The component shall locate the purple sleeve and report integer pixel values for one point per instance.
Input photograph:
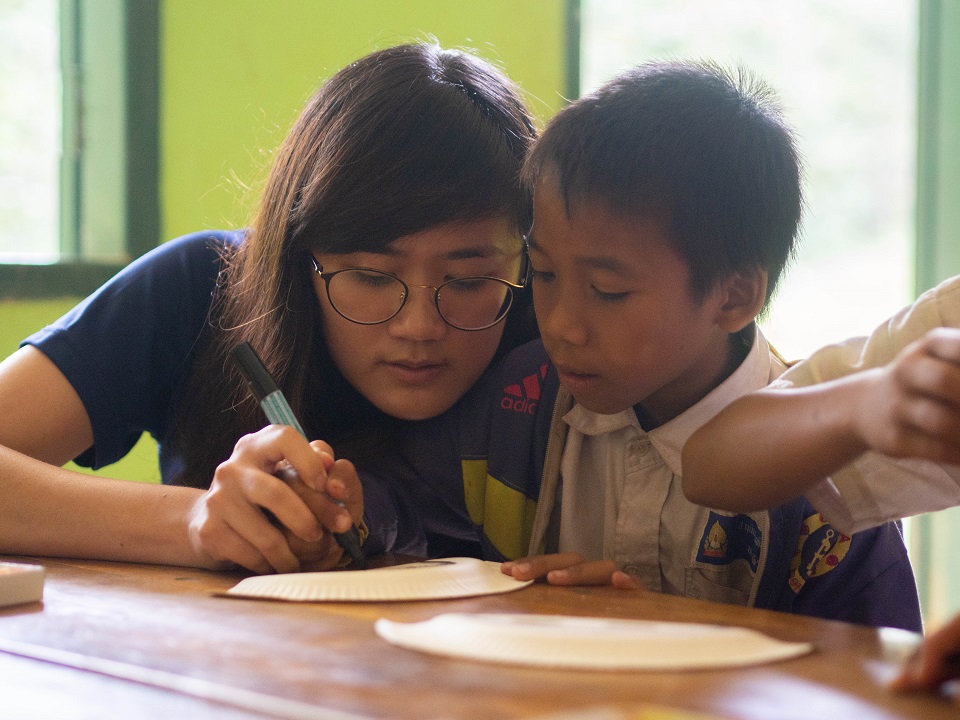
(814, 569)
(873, 585)
(126, 349)
(394, 525)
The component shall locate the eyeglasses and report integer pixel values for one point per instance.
(370, 297)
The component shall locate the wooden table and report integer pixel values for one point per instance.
(137, 641)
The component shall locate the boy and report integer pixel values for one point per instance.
(665, 208)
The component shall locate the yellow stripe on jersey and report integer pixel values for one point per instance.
(505, 514)
(474, 487)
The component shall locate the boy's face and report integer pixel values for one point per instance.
(616, 312)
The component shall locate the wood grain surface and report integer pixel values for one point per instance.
(124, 640)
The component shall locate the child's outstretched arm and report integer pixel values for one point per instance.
(775, 444)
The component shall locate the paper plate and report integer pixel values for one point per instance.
(429, 580)
(587, 642)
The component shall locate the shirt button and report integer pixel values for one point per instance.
(638, 447)
(631, 569)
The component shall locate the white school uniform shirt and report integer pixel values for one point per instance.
(876, 488)
(621, 497)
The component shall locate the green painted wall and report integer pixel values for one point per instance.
(235, 73)
(19, 319)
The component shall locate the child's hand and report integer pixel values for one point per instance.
(936, 662)
(911, 407)
(239, 519)
(570, 569)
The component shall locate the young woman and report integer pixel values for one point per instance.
(379, 278)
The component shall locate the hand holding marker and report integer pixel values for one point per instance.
(278, 412)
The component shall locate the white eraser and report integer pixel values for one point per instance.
(20, 583)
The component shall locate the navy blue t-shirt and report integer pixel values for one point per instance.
(127, 349)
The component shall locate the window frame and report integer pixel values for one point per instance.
(937, 258)
(109, 179)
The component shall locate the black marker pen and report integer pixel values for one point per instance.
(278, 412)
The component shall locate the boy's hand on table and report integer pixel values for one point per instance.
(936, 662)
(250, 514)
(570, 569)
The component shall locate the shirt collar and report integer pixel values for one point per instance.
(587, 422)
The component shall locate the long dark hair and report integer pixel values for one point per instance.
(400, 141)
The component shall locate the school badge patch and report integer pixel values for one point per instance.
(727, 538)
(820, 549)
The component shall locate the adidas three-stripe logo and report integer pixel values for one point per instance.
(522, 397)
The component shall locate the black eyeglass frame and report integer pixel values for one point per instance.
(511, 287)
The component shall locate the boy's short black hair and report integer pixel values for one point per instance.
(703, 148)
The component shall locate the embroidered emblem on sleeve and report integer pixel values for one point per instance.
(727, 538)
(820, 549)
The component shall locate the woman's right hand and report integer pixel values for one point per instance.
(273, 505)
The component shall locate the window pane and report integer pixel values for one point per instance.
(30, 130)
(846, 73)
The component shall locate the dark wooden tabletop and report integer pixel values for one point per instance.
(124, 640)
